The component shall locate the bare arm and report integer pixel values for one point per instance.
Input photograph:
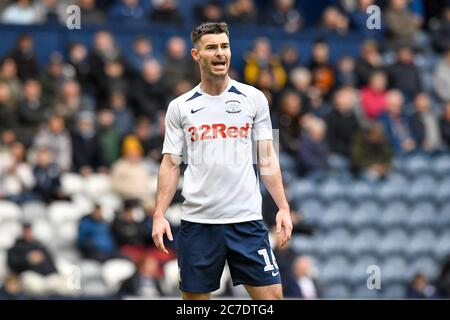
(169, 173)
(270, 173)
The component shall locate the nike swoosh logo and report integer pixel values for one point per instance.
(274, 274)
(194, 111)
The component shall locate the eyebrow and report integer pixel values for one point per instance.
(215, 44)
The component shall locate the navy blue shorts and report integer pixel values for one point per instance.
(204, 248)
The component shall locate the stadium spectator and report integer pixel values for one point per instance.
(333, 20)
(285, 15)
(166, 12)
(420, 288)
(87, 154)
(300, 81)
(342, 122)
(425, 125)
(25, 57)
(70, 102)
(368, 62)
(371, 154)
(90, 14)
(288, 119)
(346, 72)
(145, 283)
(8, 76)
(373, 96)
(441, 77)
(444, 124)
(109, 136)
(396, 124)
(22, 12)
(11, 289)
(441, 31)
(130, 178)
(142, 52)
(401, 24)
(55, 137)
(323, 71)
(32, 261)
(95, 240)
(290, 58)
(78, 60)
(33, 109)
(155, 143)
(127, 229)
(8, 108)
(104, 50)
(242, 12)
(126, 11)
(17, 178)
(313, 151)
(52, 78)
(261, 59)
(404, 74)
(51, 11)
(210, 11)
(47, 175)
(123, 117)
(178, 65)
(308, 286)
(151, 90)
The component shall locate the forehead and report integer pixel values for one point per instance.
(208, 39)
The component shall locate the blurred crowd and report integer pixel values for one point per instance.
(95, 111)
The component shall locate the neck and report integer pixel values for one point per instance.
(214, 87)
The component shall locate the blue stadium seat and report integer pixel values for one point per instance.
(338, 214)
(391, 190)
(337, 291)
(359, 191)
(336, 242)
(394, 269)
(416, 164)
(365, 215)
(362, 292)
(334, 270)
(442, 193)
(422, 188)
(302, 189)
(423, 214)
(331, 190)
(365, 242)
(394, 242)
(425, 265)
(312, 210)
(441, 166)
(393, 291)
(358, 270)
(422, 242)
(443, 219)
(441, 248)
(395, 214)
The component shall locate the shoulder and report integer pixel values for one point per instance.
(247, 90)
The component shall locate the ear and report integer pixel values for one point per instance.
(195, 54)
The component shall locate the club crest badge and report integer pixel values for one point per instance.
(232, 106)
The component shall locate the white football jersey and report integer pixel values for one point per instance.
(215, 136)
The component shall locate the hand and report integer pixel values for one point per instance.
(161, 226)
(284, 226)
(35, 257)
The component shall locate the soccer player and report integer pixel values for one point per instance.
(218, 125)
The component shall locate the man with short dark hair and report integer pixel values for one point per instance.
(220, 121)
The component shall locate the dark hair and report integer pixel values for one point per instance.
(209, 28)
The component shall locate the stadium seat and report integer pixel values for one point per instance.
(362, 292)
(422, 188)
(72, 183)
(357, 272)
(442, 193)
(60, 212)
(45, 232)
(287, 162)
(416, 165)
(337, 291)
(394, 242)
(441, 166)
(365, 242)
(90, 270)
(35, 210)
(97, 185)
(312, 210)
(391, 190)
(9, 232)
(115, 271)
(441, 248)
(424, 214)
(336, 241)
(422, 242)
(67, 234)
(394, 269)
(393, 291)
(395, 214)
(425, 265)
(331, 190)
(366, 214)
(360, 191)
(84, 204)
(305, 244)
(170, 281)
(9, 211)
(302, 189)
(110, 203)
(338, 214)
(334, 270)
(95, 289)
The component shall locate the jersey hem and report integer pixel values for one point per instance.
(221, 221)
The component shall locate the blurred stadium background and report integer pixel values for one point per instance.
(364, 135)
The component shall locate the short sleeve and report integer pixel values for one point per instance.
(174, 137)
(262, 125)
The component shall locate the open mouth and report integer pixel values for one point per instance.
(219, 63)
